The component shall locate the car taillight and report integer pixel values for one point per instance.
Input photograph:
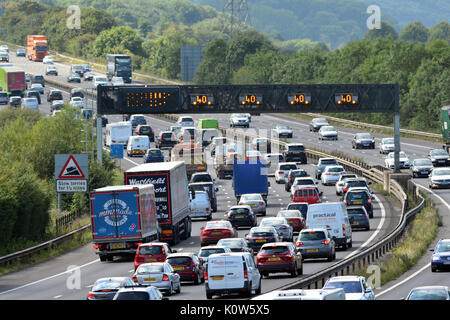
(284, 228)
(240, 203)
(298, 244)
(325, 242)
(134, 278)
(206, 275)
(261, 203)
(280, 172)
(345, 202)
(207, 209)
(114, 141)
(226, 231)
(165, 277)
(245, 274)
(91, 295)
(369, 200)
(343, 229)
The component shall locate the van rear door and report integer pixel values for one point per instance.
(234, 272)
(216, 272)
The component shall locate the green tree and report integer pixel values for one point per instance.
(414, 31)
(213, 69)
(440, 31)
(385, 31)
(116, 40)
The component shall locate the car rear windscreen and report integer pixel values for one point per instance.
(296, 148)
(151, 268)
(288, 167)
(179, 260)
(132, 296)
(240, 211)
(150, 250)
(357, 196)
(208, 252)
(311, 236)
(274, 249)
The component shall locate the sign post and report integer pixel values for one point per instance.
(71, 174)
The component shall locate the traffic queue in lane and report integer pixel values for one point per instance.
(272, 243)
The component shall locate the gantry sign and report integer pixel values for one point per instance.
(301, 98)
(191, 99)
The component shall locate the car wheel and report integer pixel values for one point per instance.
(209, 295)
(179, 288)
(330, 258)
(300, 271)
(258, 291)
(294, 272)
(170, 291)
(434, 269)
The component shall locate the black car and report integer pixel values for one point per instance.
(38, 79)
(33, 94)
(88, 76)
(73, 78)
(363, 140)
(292, 174)
(241, 216)
(15, 101)
(166, 139)
(359, 198)
(317, 123)
(54, 95)
(77, 92)
(295, 152)
(300, 206)
(209, 188)
(357, 215)
(146, 130)
(261, 235)
(354, 183)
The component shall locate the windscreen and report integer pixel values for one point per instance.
(348, 286)
(296, 148)
(230, 243)
(357, 196)
(274, 249)
(261, 233)
(179, 260)
(106, 285)
(150, 268)
(135, 295)
(150, 250)
(328, 161)
(207, 252)
(239, 211)
(312, 236)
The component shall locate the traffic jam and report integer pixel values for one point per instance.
(176, 189)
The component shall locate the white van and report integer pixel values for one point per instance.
(118, 132)
(333, 217)
(138, 145)
(234, 272)
(200, 205)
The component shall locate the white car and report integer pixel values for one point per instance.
(31, 103)
(100, 81)
(185, 121)
(355, 287)
(282, 171)
(440, 178)
(77, 102)
(404, 162)
(283, 131)
(239, 120)
(340, 183)
(331, 174)
(386, 145)
(48, 60)
(117, 81)
(328, 133)
(302, 182)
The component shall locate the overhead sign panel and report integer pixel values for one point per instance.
(191, 99)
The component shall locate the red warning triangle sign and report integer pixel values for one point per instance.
(71, 170)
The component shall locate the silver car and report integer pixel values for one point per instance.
(386, 145)
(205, 252)
(160, 275)
(421, 167)
(255, 201)
(283, 131)
(284, 229)
(316, 243)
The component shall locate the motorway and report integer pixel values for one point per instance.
(52, 280)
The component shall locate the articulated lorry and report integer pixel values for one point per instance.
(119, 65)
(12, 80)
(122, 218)
(192, 155)
(37, 47)
(172, 196)
(250, 177)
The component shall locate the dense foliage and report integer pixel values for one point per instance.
(29, 142)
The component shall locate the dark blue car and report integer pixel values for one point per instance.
(154, 155)
(441, 256)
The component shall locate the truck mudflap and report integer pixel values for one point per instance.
(174, 234)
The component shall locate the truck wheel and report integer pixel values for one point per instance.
(102, 258)
(110, 257)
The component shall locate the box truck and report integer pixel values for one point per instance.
(37, 47)
(172, 196)
(122, 218)
(119, 65)
(12, 80)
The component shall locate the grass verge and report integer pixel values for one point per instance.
(418, 235)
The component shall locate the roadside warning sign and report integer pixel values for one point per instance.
(71, 170)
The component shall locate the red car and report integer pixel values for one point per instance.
(307, 194)
(152, 252)
(294, 217)
(188, 265)
(279, 257)
(213, 231)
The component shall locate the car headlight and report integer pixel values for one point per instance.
(436, 258)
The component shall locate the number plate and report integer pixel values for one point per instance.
(149, 279)
(260, 240)
(150, 260)
(357, 202)
(118, 246)
(216, 233)
(217, 278)
(355, 223)
(274, 259)
(178, 268)
(239, 217)
(312, 250)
